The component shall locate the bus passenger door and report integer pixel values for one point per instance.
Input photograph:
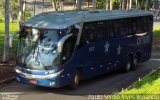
(69, 46)
(86, 52)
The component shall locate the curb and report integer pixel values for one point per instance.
(154, 70)
(7, 80)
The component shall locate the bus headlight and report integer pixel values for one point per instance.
(17, 71)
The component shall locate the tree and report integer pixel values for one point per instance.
(123, 4)
(1, 12)
(130, 4)
(43, 6)
(79, 4)
(155, 4)
(57, 5)
(6, 39)
(136, 2)
(14, 10)
(147, 3)
(111, 4)
(34, 7)
(141, 4)
(107, 4)
(22, 10)
(101, 4)
(127, 4)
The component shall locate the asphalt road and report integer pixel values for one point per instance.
(105, 84)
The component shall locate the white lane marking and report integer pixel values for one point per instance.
(14, 93)
(155, 59)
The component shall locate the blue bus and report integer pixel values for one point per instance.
(57, 49)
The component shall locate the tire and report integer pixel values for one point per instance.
(128, 65)
(76, 81)
(135, 63)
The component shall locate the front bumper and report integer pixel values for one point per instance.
(40, 78)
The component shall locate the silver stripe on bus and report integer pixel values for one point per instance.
(142, 34)
(31, 76)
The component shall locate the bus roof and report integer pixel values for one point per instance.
(64, 19)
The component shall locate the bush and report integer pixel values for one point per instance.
(14, 11)
(1, 18)
(101, 4)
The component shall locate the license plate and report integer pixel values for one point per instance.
(33, 81)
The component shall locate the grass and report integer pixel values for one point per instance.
(149, 85)
(156, 31)
(14, 27)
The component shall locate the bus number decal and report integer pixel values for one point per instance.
(143, 40)
(119, 50)
(106, 47)
(91, 49)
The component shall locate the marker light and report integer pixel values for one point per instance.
(27, 29)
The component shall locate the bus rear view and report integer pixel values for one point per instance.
(57, 49)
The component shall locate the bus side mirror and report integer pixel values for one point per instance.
(61, 42)
(11, 38)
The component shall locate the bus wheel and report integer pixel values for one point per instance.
(127, 66)
(135, 63)
(76, 81)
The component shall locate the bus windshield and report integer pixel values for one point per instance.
(37, 48)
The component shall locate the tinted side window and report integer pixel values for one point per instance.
(150, 23)
(134, 26)
(87, 32)
(144, 24)
(122, 29)
(139, 26)
(101, 30)
(93, 31)
(86, 35)
(116, 27)
(130, 26)
(109, 31)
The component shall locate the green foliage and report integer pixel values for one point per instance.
(156, 31)
(1, 18)
(1, 11)
(14, 9)
(116, 4)
(101, 4)
(27, 12)
(116, 1)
